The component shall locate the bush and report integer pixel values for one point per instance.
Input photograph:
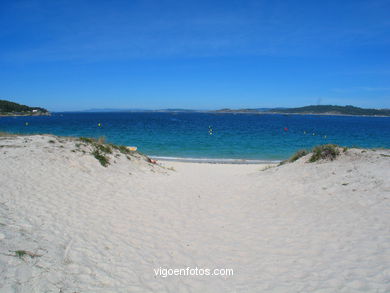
(103, 148)
(87, 139)
(122, 148)
(299, 154)
(324, 152)
(104, 161)
(100, 149)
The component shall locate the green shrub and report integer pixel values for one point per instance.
(103, 148)
(299, 154)
(100, 149)
(20, 253)
(324, 152)
(104, 160)
(87, 139)
(124, 149)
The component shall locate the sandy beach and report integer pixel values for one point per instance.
(68, 224)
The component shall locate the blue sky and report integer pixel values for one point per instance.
(72, 55)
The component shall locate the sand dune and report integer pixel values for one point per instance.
(68, 224)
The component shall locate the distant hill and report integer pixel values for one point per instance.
(332, 110)
(177, 110)
(246, 110)
(319, 110)
(137, 110)
(111, 110)
(11, 108)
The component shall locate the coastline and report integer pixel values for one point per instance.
(292, 113)
(24, 115)
(222, 112)
(215, 161)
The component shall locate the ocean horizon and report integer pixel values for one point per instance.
(211, 137)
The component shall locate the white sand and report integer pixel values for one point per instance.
(300, 227)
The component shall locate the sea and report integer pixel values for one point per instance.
(224, 137)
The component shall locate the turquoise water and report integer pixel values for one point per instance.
(187, 135)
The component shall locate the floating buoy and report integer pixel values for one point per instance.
(314, 134)
(324, 136)
(285, 129)
(26, 123)
(304, 132)
(99, 124)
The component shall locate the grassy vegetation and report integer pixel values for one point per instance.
(122, 148)
(23, 253)
(299, 154)
(20, 253)
(102, 158)
(101, 150)
(87, 139)
(324, 152)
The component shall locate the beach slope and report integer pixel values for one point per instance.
(69, 224)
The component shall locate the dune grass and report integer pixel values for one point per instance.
(22, 253)
(103, 159)
(299, 154)
(122, 148)
(324, 152)
(101, 150)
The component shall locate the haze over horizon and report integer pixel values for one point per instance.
(77, 55)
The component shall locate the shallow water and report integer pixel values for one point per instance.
(212, 136)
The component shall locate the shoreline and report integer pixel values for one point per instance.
(224, 112)
(301, 114)
(24, 115)
(215, 160)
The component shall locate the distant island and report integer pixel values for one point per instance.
(8, 108)
(313, 110)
